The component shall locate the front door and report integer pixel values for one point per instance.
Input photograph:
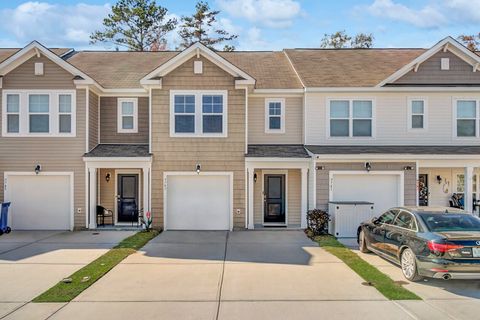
(423, 189)
(274, 198)
(127, 198)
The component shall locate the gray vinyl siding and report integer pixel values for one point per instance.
(293, 122)
(60, 154)
(108, 122)
(322, 176)
(93, 111)
(429, 72)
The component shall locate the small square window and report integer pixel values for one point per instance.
(275, 116)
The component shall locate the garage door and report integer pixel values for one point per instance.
(40, 202)
(198, 202)
(381, 189)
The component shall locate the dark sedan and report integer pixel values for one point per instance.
(426, 242)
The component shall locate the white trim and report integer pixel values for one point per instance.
(120, 115)
(150, 120)
(193, 173)
(454, 118)
(282, 92)
(53, 113)
(246, 120)
(393, 157)
(453, 44)
(199, 113)
(401, 175)
(350, 118)
(87, 119)
(139, 191)
(268, 115)
(192, 51)
(410, 114)
(70, 174)
(275, 172)
(392, 89)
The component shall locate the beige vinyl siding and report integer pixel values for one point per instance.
(92, 120)
(106, 190)
(293, 122)
(429, 72)
(214, 154)
(410, 185)
(293, 193)
(391, 115)
(59, 154)
(108, 122)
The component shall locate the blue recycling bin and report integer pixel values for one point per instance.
(4, 228)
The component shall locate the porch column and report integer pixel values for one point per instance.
(250, 198)
(304, 198)
(92, 172)
(146, 189)
(468, 190)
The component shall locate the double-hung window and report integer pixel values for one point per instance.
(417, 114)
(467, 118)
(198, 113)
(38, 113)
(351, 118)
(274, 115)
(127, 115)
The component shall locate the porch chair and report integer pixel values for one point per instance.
(103, 213)
(457, 201)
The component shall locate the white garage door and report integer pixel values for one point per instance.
(381, 189)
(40, 202)
(198, 202)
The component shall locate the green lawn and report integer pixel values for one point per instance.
(369, 273)
(85, 277)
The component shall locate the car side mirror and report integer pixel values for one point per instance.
(375, 221)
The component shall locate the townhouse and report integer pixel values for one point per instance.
(209, 140)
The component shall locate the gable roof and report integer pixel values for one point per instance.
(5, 53)
(348, 67)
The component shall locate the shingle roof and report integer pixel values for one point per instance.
(277, 151)
(119, 150)
(349, 67)
(5, 53)
(416, 150)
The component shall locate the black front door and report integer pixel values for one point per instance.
(127, 198)
(274, 198)
(423, 189)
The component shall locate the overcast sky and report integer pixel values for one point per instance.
(260, 24)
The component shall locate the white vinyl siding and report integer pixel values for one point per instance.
(274, 115)
(127, 115)
(350, 118)
(38, 113)
(198, 113)
(417, 114)
(390, 118)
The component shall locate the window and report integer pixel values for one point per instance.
(417, 114)
(405, 220)
(460, 183)
(198, 113)
(38, 113)
(351, 118)
(13, 113)
(388, 217)
(127, 113)
(275, 115)
(466, 118)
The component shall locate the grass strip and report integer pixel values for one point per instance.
(383, 283)
(65, 292)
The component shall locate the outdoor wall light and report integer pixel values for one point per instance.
(320, 167)
(198, 168)
(439, 179)
(107, 177)
(254, 177)
(368, 166)
(38, 168)
(408, 168)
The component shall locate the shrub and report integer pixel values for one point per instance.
(317, 223)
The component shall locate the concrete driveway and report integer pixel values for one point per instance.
(236, 275)
(33, 261)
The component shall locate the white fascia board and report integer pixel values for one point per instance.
(392, 157)
(390, 89)
(266, 159)
(449, 42)
(192, 51)
(116, 160)
(151, 82)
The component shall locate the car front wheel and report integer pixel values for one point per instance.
(409, 265)
(362, 245)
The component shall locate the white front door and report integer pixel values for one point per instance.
(198, 202)
(39, 202)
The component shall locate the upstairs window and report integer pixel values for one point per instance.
(65, 113)
(275, 115)
(39, 113)
(466, 118)
(198, 113)
(13, 113)
(127, 112)
(417, 114)
(350, 118)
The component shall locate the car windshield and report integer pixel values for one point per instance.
(437, 222)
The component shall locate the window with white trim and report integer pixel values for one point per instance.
(38, 113)
(274, 115)
(198, 113)
(417, 114)
(127, 115)
(467, 119)
(351, 118)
